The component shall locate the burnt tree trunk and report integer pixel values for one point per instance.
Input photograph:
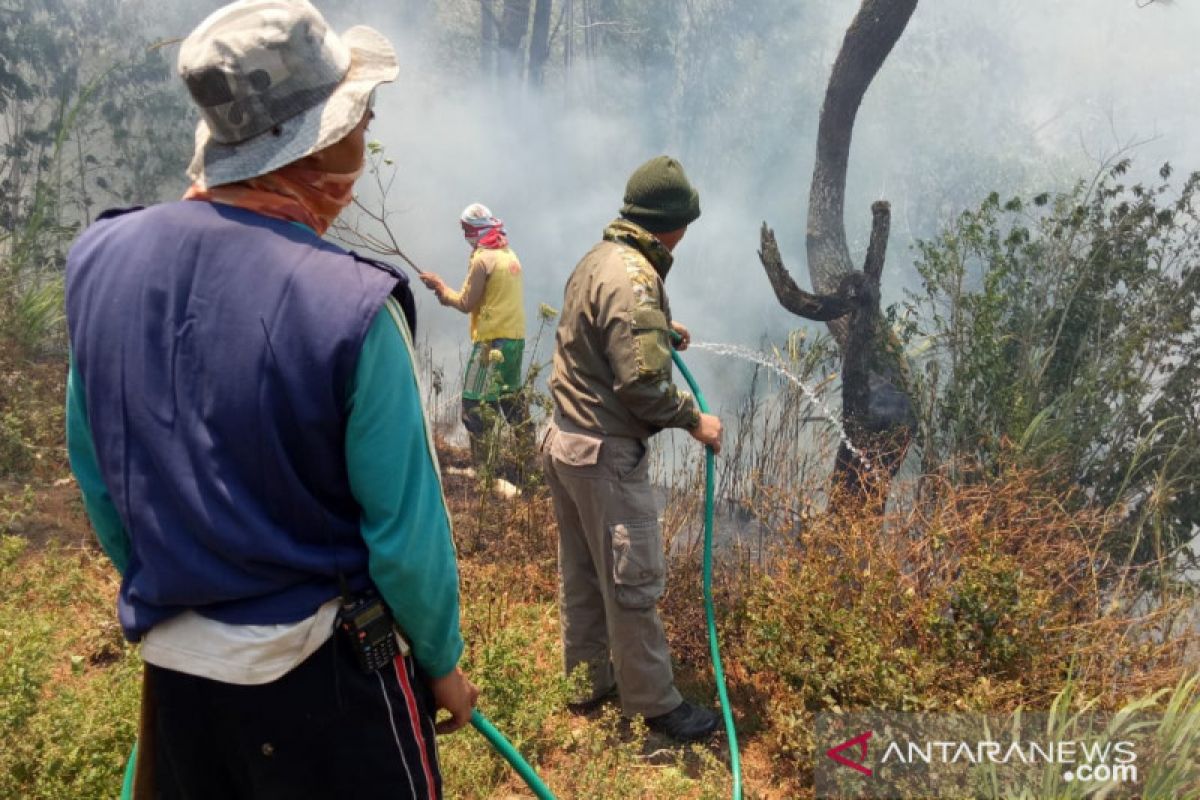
(867, 373)
(487, 36)
(568, 23)
(876, 411)
(859, 346)
(539, 41)
(869, 40)
(514, 22)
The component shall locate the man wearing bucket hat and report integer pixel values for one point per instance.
(492, 294)
(612, 390)
(244, 420)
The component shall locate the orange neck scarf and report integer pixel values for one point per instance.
(293, 193)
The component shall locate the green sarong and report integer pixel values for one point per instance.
(494, 370)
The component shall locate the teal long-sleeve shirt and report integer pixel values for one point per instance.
(393, 475)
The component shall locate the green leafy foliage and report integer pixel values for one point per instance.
(1065, 329)
(92, 120)
(31, 418)
(518, 695)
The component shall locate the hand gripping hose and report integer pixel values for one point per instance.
(735, 766)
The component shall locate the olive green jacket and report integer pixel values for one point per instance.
(612, 356)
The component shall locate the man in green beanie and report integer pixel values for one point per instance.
(612, 390)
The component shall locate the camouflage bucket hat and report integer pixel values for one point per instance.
(275, 84)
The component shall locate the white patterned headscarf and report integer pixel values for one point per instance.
(481, 228)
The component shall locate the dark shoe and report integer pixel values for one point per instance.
(587, 706)
(687, 723)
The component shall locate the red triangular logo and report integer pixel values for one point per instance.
(860, 742)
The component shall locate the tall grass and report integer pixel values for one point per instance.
(1163, 727)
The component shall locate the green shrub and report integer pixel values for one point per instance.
(988, 615)
(983, 599)
(1063, 328)
(31, 417)
(514, 660)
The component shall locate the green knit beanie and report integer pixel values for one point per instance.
(659, 197)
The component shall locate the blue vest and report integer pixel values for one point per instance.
(217, 349)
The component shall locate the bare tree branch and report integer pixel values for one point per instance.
(810, 306)
(353, 233)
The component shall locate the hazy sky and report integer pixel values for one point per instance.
(1005, 95)
(979, 95)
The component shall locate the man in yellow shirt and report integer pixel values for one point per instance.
(492, 294)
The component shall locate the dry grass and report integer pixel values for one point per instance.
(984, 598)
(973, 598)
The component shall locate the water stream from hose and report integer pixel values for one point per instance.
(775, 365)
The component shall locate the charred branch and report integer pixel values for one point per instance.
(881, 227)
(539, 42)
(805, 304)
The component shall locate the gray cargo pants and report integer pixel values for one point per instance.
(612, 569)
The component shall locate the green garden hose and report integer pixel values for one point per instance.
(735, 765)
(505, 748)
(130, 771)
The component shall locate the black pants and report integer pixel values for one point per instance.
(512, 409)
(324, 731)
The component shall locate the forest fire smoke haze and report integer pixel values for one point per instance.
(1009, 96)
(1026, 488)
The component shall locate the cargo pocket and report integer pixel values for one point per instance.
(629, 462)
(639, 570)
(652, 340)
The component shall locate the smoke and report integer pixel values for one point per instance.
(1010, 96)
